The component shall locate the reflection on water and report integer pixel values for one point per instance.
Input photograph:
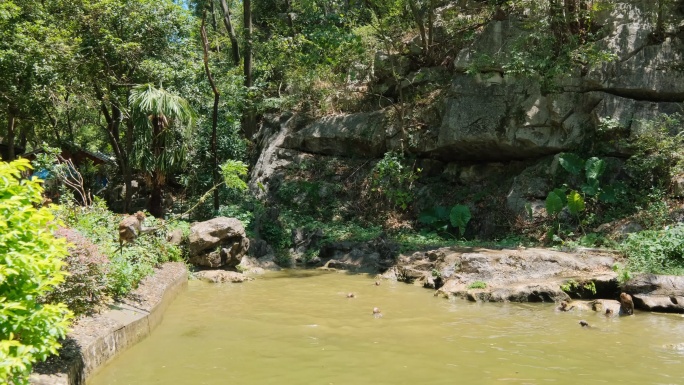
(299, 327)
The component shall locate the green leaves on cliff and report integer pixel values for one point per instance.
(393, 179)
(575, 202)
(233, 171)
(554, 203)
(593, 170)
(439, 218)
(459, 217)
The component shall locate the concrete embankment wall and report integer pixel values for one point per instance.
(96, 340)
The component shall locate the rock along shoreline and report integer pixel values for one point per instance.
(96, 340)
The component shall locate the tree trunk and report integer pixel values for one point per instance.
(214, 25)
(11, 121)
(247, 4)
(659, 32)
(290, 22)
(113, 120)
(214, 116)
(418, 17)
(572, 16)
(558, 25)
(431, 24)
(156, 205)
(231, 33)
(248, 118)
(23, 137)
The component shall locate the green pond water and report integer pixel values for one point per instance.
(298, 327)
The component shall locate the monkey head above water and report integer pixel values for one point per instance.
(351, 295)
(377, 283)
(377, 313)
(565, 306)
(609, 313)
(584, 324)
(626, 304)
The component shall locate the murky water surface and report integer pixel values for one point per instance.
(298, 327)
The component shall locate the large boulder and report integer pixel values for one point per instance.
(652, 292)
(373, 256)
(217, 242)
(221, 276)
(520, 275)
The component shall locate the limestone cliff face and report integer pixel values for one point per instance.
(497, 117)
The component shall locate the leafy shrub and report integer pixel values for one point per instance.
(478, 285)
(658, 151)
(573, 286)
(439, 218)
(30, 267)
(656, 251)
(85, 287)
(394, 180)
(130, 264)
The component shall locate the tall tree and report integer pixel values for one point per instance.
(123, 43)
(214, 115)
(161, 120)
(31, 50)
(227, 21)
(249, 119)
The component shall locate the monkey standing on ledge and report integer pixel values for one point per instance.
(130, 228)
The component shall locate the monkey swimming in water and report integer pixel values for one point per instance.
(351, 295)
(565, 306)
(377, 313)
(626, 304)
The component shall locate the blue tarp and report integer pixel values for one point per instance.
(42, 174)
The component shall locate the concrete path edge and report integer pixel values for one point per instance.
(118, 328)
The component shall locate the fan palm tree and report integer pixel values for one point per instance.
(162, 120)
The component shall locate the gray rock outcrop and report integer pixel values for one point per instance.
(373, 256)
(664, 293)
(221, 276)
(520, 275)
(360, 134)
(217, 242)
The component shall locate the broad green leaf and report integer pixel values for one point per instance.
(561, 192)
(459, 217)
(591, 188)
(427, 217)
(571, 163)
(442, 213)
(575, 202)
(594, 167)
(554, 204)
(608, 194)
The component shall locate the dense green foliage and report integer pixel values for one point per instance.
(131, 263)
(84, 289)
(656, 251)
(31, 260)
